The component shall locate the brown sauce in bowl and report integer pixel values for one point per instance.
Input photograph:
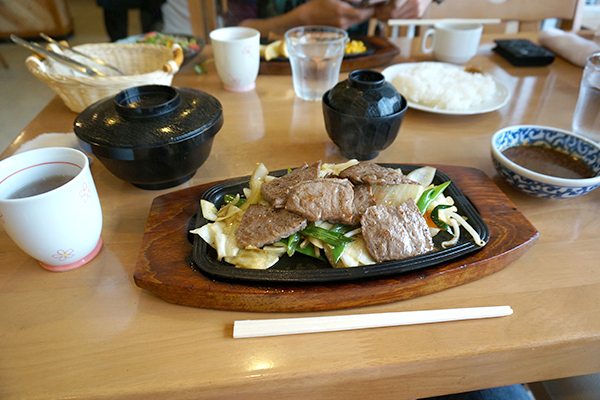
(547, 161)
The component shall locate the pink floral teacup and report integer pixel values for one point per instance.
(237, 57)
(50, 208)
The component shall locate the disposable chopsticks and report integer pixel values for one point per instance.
(408, 22)
(292, 326)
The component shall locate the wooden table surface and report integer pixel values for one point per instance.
(92, 333)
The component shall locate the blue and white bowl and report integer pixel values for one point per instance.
(536, 184)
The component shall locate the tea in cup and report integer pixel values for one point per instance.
(50, 208)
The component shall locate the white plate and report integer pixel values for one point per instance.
(500, 98)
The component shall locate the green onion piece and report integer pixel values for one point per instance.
(343, 229)
(333, 238)
(292, 243)
(229, 198)
(436, 219)
(309, 251)
(430, 195)
(338, 251)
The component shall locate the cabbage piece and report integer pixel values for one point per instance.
(256, 180)
(335, 169)
(209, 210)
(220, 235)
(254, 259)
(394, 195)
(423, 175)
(355, 254)
(228, 211)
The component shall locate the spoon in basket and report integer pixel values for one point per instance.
(94, 59)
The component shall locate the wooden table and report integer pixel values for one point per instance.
(92, 333)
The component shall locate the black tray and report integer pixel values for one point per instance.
(301, 269)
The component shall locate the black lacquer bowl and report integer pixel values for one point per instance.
(363, 114)
(154, 136)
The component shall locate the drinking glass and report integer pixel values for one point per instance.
(316, 54)
(586, 118)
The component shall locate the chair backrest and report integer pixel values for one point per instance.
(205, 16)
(520, 15)
(516, 15)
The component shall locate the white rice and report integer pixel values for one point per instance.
(443, 86)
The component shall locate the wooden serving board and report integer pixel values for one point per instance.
(384, 53)
(165, 268)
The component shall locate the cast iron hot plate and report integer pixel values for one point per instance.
(301, 269)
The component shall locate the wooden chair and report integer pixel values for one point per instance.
(516, 15)
(27, 18)
(205, 16)
(3, 60)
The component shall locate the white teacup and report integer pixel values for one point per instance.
(50, 208)
(237, 57)
(453, 43)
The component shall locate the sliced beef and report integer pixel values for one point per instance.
(363, 199)
(374, 174)
(276, 191)
(262, 225)
(322, 200)
(396, 232)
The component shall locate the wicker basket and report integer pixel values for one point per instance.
(142, 64)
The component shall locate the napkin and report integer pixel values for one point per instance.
(568, 45)
(52, 140)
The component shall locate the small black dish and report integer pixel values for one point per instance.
(301, 269)
(154, 136)
(363, 114)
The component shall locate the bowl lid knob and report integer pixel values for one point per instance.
(146, 101)
(364, 79)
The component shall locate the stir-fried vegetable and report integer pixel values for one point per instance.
(236, 200)
(342, 245)
(256, 180)
(435, 217)
(328, 236)
(430, 195)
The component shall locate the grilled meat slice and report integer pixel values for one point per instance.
(262, 225)
(322, 200)
(374, 174)
(276, 191)
(363, 199)
(396, 232)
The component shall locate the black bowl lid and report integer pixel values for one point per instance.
(149, 116)
(365, 94)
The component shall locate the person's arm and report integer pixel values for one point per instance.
(315, 12)
(401, 9)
